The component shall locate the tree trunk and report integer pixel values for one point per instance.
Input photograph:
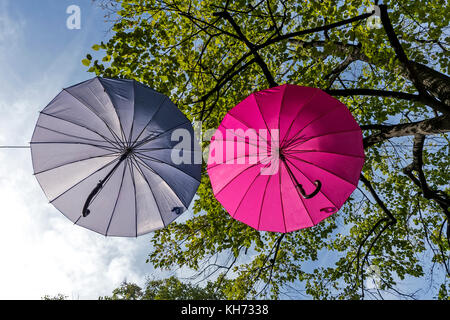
(436, 83)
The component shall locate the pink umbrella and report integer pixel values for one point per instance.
(285, 158)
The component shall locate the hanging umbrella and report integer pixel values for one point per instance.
(285, 158)
(103, 154)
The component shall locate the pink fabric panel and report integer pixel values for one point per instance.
(250, 207)
(272, 215)
(237, 186)
(294, 210)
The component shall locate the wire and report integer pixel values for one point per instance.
(14, 147)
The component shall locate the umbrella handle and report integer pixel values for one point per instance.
(86, 211)
(99, 186)
(318, 185)
(299, 187)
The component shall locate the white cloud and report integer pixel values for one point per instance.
(42, 251)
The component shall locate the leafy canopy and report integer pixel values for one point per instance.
(209, 55)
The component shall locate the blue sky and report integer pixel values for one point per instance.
(42, 251)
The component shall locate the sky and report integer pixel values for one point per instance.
(43, 253)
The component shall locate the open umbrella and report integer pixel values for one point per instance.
(285, 158)
(103, 152)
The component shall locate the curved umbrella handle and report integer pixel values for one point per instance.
(86, 211)
(318, 185)
(99, 186)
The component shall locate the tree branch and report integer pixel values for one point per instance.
(436, 125)
(427, 100)
(227, 16)
(404, 61)
(377, 199)
(420, 181)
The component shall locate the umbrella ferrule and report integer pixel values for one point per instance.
(126, 153)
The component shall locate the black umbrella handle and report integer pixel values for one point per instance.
(318, 185)
(99, 186)
(298, 186)
(93, 193)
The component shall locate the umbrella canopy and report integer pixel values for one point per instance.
(103, 152)
(285, 158)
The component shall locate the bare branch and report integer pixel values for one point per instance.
(436, 125)
(226, 15)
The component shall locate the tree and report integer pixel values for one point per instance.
(126, 291)
(167, 289)
(59, 296)
(209, 55)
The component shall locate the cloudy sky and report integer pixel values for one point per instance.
(42, 252)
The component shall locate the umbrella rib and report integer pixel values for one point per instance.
(122, 132)
(236, 158)
(132, 119)
(321, 190)
(262, 116)
(279, 114)
(152, 138)
(297, 114)
(243, 197)
(298, 141)
(157, 149)
(235, 135)
(81, 126)
(117, 200)
(90, 175)
(76, 221)
(226, 185)
(82, 143)
(135, 198)
(140, 156)
(152, 170)
(294, 151)
(281, 201)
(262, 202)
(151, 119)
(245, 124)
(76, 161)
(323, 169)
(309, 123)
(115, 111)
(114, 135)
(294, 182)
(151, 189)
(69, 135)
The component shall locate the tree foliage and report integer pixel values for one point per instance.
(209, 55)
(167, 289)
